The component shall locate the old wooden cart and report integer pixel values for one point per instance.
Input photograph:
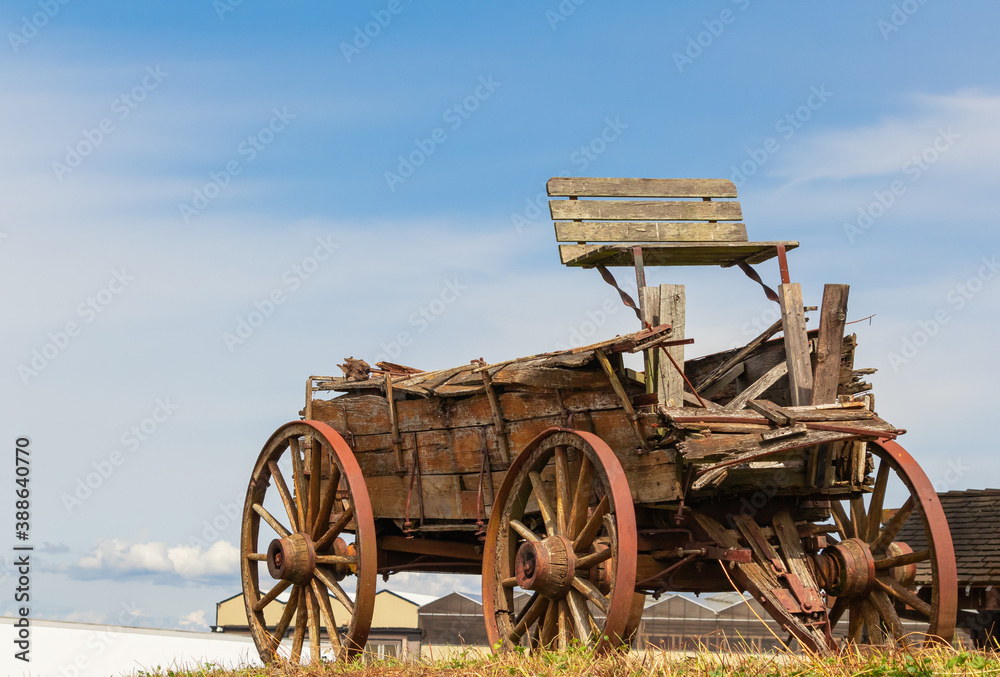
(576, 486)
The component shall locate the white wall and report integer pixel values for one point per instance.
(61, 649)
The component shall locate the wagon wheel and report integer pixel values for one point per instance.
(308, 556)
(575, 551)
(872, 575)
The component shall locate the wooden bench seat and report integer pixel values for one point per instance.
(691, 222)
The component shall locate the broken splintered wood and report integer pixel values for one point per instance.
(800, 377)
(355, 370)
(830, 343)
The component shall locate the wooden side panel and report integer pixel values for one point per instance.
(369, 414)
(672, 308)
(830, 346)
(649, 231)
(640, 210)
(800, 377)
(450, 462)
(650, 302)
(565, 186)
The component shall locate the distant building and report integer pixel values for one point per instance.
(395, 625)
(454, 619)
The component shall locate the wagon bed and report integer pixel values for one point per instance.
(589, 485)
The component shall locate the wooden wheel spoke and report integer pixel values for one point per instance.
(564, 622)
(590, 530)
(548, 514)
(334, 587)
(883, 605)
(272, 594)
(326, 507)
(895, 589)
(859, 520)
(844, 525)
(286, 617)
(590, 591)
(550, 626)
(315, 482)
(531, 612)
(893, 526)
(314, 636)
(286, 496)
(319, 590)
(336, 528)
(257, 556)
(873, 623)
(855, 624)
(594, 559)
(526, 533)
(581, 497)
(270, 519)
(563, 500)
(300, 628)
(579, 614)
(837, 612)
(877, 500)
(509, 582)
(298, 479)
(902, 560)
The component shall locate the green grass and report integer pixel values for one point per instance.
(873, 662)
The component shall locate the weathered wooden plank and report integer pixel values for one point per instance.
(643, 210)
(829, 348)
(670, 385)
(758, 388)
(650, 305)
(772, 412)
(649, 231)
(791, 547)
(724, 379)
(566, 186)
(673, 254)
(369, 414)
(810, 414)
(738, 448)
(723, 370)
(800, 375)
(652, 478)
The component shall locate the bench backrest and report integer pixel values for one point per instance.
(704, 214)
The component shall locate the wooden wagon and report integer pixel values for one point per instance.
(577, 486)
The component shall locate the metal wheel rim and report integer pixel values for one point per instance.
(309, 602)
(499, 550)
(944, 592)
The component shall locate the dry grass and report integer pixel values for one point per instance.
(874, 662)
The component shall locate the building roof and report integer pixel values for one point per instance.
(412, 597)
(974, 520)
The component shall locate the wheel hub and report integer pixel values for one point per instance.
(847, 569)
(292, 558)
(546, 566)
(907, 573)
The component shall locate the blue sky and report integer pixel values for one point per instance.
(865, 130)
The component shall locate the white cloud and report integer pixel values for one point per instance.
(86, 617)
(194, 620)
(112, 556)
(884, 147)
